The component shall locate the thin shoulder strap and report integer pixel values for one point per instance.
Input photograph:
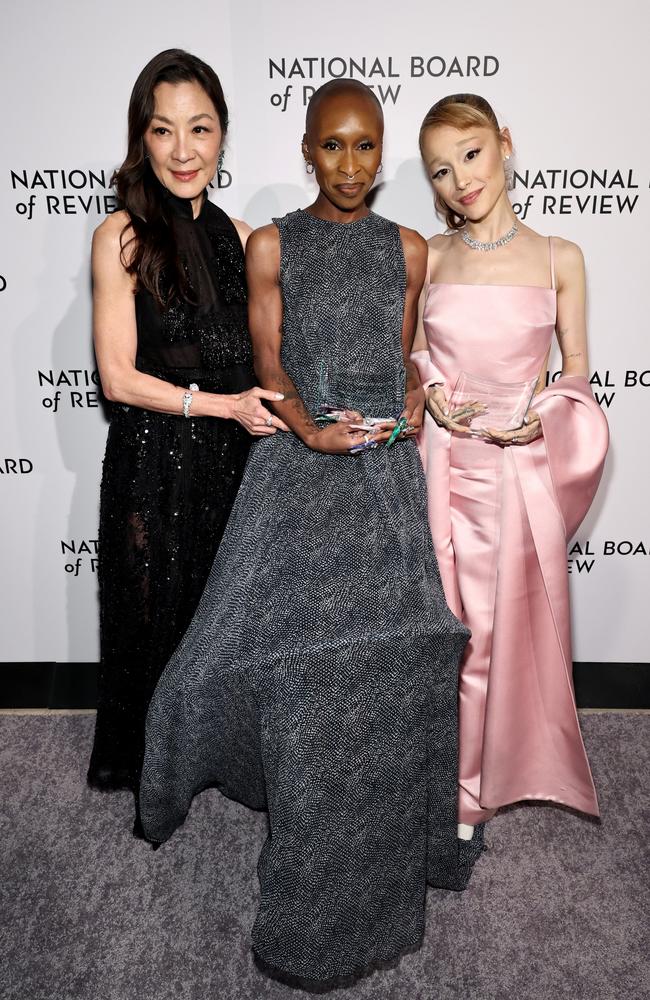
(552, 261)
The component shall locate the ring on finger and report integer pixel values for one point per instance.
(268, 422)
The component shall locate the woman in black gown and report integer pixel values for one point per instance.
(169, 314)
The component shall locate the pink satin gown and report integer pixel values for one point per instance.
(500, 538)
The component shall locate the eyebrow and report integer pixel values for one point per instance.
(461, 142)
(194, 118)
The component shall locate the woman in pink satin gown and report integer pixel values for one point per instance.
(503, 505)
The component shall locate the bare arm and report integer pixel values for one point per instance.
(541, 378)
(265, 318)
(571, 326)
(115, 336)
(420, 339)
(416, 259)
(265, 325)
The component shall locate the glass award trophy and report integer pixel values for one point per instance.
(331, 412)
(480, 402)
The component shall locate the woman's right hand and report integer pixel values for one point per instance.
(438, 407)
(337, 438)
(247, 409)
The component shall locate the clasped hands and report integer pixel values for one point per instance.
(345, 435)
(438, 406)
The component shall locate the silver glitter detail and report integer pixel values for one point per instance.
(501, 242)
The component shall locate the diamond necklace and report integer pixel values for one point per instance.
(501, 242)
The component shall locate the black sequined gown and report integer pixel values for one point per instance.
(319, 677)
(168, 485)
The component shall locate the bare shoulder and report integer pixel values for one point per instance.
(567, 253)
(440, 244)
(263, 249)
(412, 241)
(111, 242)
(108, 234)
(243, 230)
(438, 247)
(414, 246)
(263, 240)
(569, 263)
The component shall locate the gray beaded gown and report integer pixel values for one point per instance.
(318, 679)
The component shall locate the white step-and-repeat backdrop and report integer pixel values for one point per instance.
(569, 79)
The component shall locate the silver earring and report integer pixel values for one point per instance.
(309, 167)
(380, 168)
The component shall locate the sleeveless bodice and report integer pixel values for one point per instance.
(343, 287)
(500, 332)
(203, 339)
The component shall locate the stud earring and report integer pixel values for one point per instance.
(380, 168)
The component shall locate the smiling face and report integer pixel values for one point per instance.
(466, 167)
(183, 139)
(344, 142)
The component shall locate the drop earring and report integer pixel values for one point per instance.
(309, 167)
(380, 168)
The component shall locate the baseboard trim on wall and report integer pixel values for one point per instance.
(612, 685)
(48, 685)
(74, 685)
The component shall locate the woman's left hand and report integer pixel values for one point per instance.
(531, 430)
(413, 411)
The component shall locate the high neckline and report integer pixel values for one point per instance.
(335, 222)
(181, 207)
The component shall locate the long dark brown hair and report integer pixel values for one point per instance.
(460, 111)
(150, 249)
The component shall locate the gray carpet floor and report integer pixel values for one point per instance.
(557, 908)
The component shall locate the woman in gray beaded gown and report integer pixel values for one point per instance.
(318, 679)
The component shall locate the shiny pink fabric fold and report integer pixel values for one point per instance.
(532, 745)
(434, 445)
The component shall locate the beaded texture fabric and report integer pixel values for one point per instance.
(168, 485)
(318, 679)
